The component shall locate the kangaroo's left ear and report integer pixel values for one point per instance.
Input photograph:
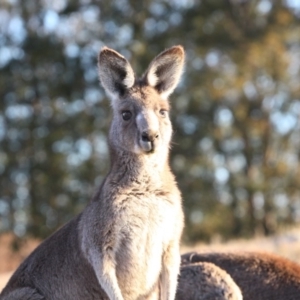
(115, 73)
(165, 71)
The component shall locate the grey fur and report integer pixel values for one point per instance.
(25, 293)
(125, 244)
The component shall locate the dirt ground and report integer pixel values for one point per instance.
(286, 244)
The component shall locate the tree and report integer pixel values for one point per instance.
(235, 114)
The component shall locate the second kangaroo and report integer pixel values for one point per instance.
(125, 244)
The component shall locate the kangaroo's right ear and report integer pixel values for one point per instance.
(115, 72)
(165, 70)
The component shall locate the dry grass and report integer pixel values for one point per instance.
(9, 259)
(286, 244)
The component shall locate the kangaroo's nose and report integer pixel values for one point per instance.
(149, 136)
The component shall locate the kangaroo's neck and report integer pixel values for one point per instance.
(128, 168)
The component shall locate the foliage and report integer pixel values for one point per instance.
(235, 114)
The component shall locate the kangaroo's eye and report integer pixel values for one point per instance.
(163, 112)
(126, 115)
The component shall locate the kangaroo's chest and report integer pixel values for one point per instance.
(146, 228)
(146, 219)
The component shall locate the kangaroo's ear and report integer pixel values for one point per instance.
(165, 71)
(115, 72)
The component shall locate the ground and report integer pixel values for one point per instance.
(286, 244)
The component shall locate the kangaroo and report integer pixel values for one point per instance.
(259, 275)
(206, 281)
(125, 244)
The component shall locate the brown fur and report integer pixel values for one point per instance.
(260, 276)
(206, 281)
(125, 244)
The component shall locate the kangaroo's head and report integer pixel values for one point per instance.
(141, 123)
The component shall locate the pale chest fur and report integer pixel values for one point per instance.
(147, 224)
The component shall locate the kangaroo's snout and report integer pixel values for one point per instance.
(148, 140)
(149, 136)
(148, 127)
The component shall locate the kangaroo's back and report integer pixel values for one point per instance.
(55, 270)
(206, 281)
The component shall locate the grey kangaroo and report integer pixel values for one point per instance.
(125, 244)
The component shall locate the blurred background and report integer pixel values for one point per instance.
(235, 113)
